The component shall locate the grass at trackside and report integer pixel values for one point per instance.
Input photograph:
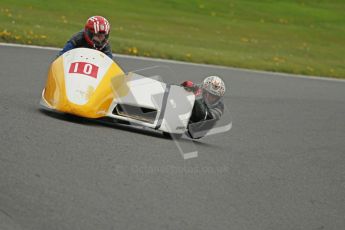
(295, 36)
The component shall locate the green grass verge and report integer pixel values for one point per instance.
(294, 36)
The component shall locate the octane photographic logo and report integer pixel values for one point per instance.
(145, 169)
(171, 116)
(173, 169)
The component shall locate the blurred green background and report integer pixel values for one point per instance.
(301, 36)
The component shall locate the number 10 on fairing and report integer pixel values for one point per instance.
(84, 68)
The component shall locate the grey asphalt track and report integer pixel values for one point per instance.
(282, 166)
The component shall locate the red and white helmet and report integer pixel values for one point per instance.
(213, 88)
(96, 32)
(214, 85)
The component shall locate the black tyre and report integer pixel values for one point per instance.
(172, 135)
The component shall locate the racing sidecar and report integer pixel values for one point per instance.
(87, 83)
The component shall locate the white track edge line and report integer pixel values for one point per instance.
(189, 63)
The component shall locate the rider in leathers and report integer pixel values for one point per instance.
(94, 36)
(208, 103)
